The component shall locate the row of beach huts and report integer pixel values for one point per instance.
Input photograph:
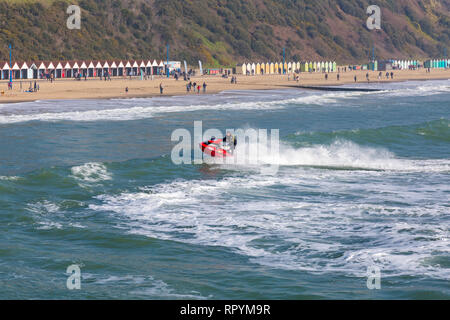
(287, 67)
(73, 69)
(258, 68)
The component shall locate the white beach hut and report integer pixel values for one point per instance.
(5, 70)
(24, 70)
(120, 69)
(15, 71)
(148, 68)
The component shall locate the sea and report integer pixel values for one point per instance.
(92, 205)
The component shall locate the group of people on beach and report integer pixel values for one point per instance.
(195, 87)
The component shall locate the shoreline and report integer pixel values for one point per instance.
(115, 89)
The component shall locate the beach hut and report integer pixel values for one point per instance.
(289, 68)
(24, 70)
(105, 68)
(75, 69)
(58, 69)
(326, 67)
(272, 68)
(161, 67)
(285, 68)
(5, 70)
(275, 68)
(154, 67)
(90, 69)
(98, 69)
(120, 69)
(299, 66)
(42, 69)
(135, 68)
(142, 66)
(244, 69)
(32, 70)
(267, 68)
(258, 69)
(148, 67)
(113, 68)
(334, 66)
(252, 70)
(67, 70)
(314, 67)
(83, 68)
(127, 68)
(15, 69)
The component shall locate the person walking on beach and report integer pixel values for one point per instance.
(392, 75)
(326, 76)
(126, 90)
(35, 86)
(198, 89)
(355, 78)
(204, 87)
(387, 75)
(338, 77)
(161, 88)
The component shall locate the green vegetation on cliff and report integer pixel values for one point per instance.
(223, 32)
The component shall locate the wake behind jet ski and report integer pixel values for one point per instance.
(220, 147)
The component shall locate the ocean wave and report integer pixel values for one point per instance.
(436, 130)
(91, 172)
(292, 229)
(134, 112)
(339, 154)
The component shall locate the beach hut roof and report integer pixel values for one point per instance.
(58, 65)
(106, 64)
(4, 66)
(135, 64)
(98, 64)
(149, 63)
(91, 65)
(24, 65)
(154, 64)
(75, 65)
(113, 64)
(128, 64)
(161, 64)
(15, 66)
(68, 65)
(142, 64)
(83, 65)
(120, 65)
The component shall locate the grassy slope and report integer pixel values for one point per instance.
(223, 32)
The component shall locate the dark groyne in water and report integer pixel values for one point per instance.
(322, 88)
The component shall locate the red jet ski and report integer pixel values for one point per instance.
(215, 148)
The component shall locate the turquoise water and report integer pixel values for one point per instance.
(363, 181)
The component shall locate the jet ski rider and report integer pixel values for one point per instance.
(230, 141)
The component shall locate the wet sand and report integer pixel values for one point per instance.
(100, 89)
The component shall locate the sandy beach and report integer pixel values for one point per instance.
(100, 89)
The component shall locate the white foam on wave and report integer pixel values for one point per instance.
(149, 286)
(301, 219)
(143, 112)
(91, 172)
(10, 178)
(340, 154)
